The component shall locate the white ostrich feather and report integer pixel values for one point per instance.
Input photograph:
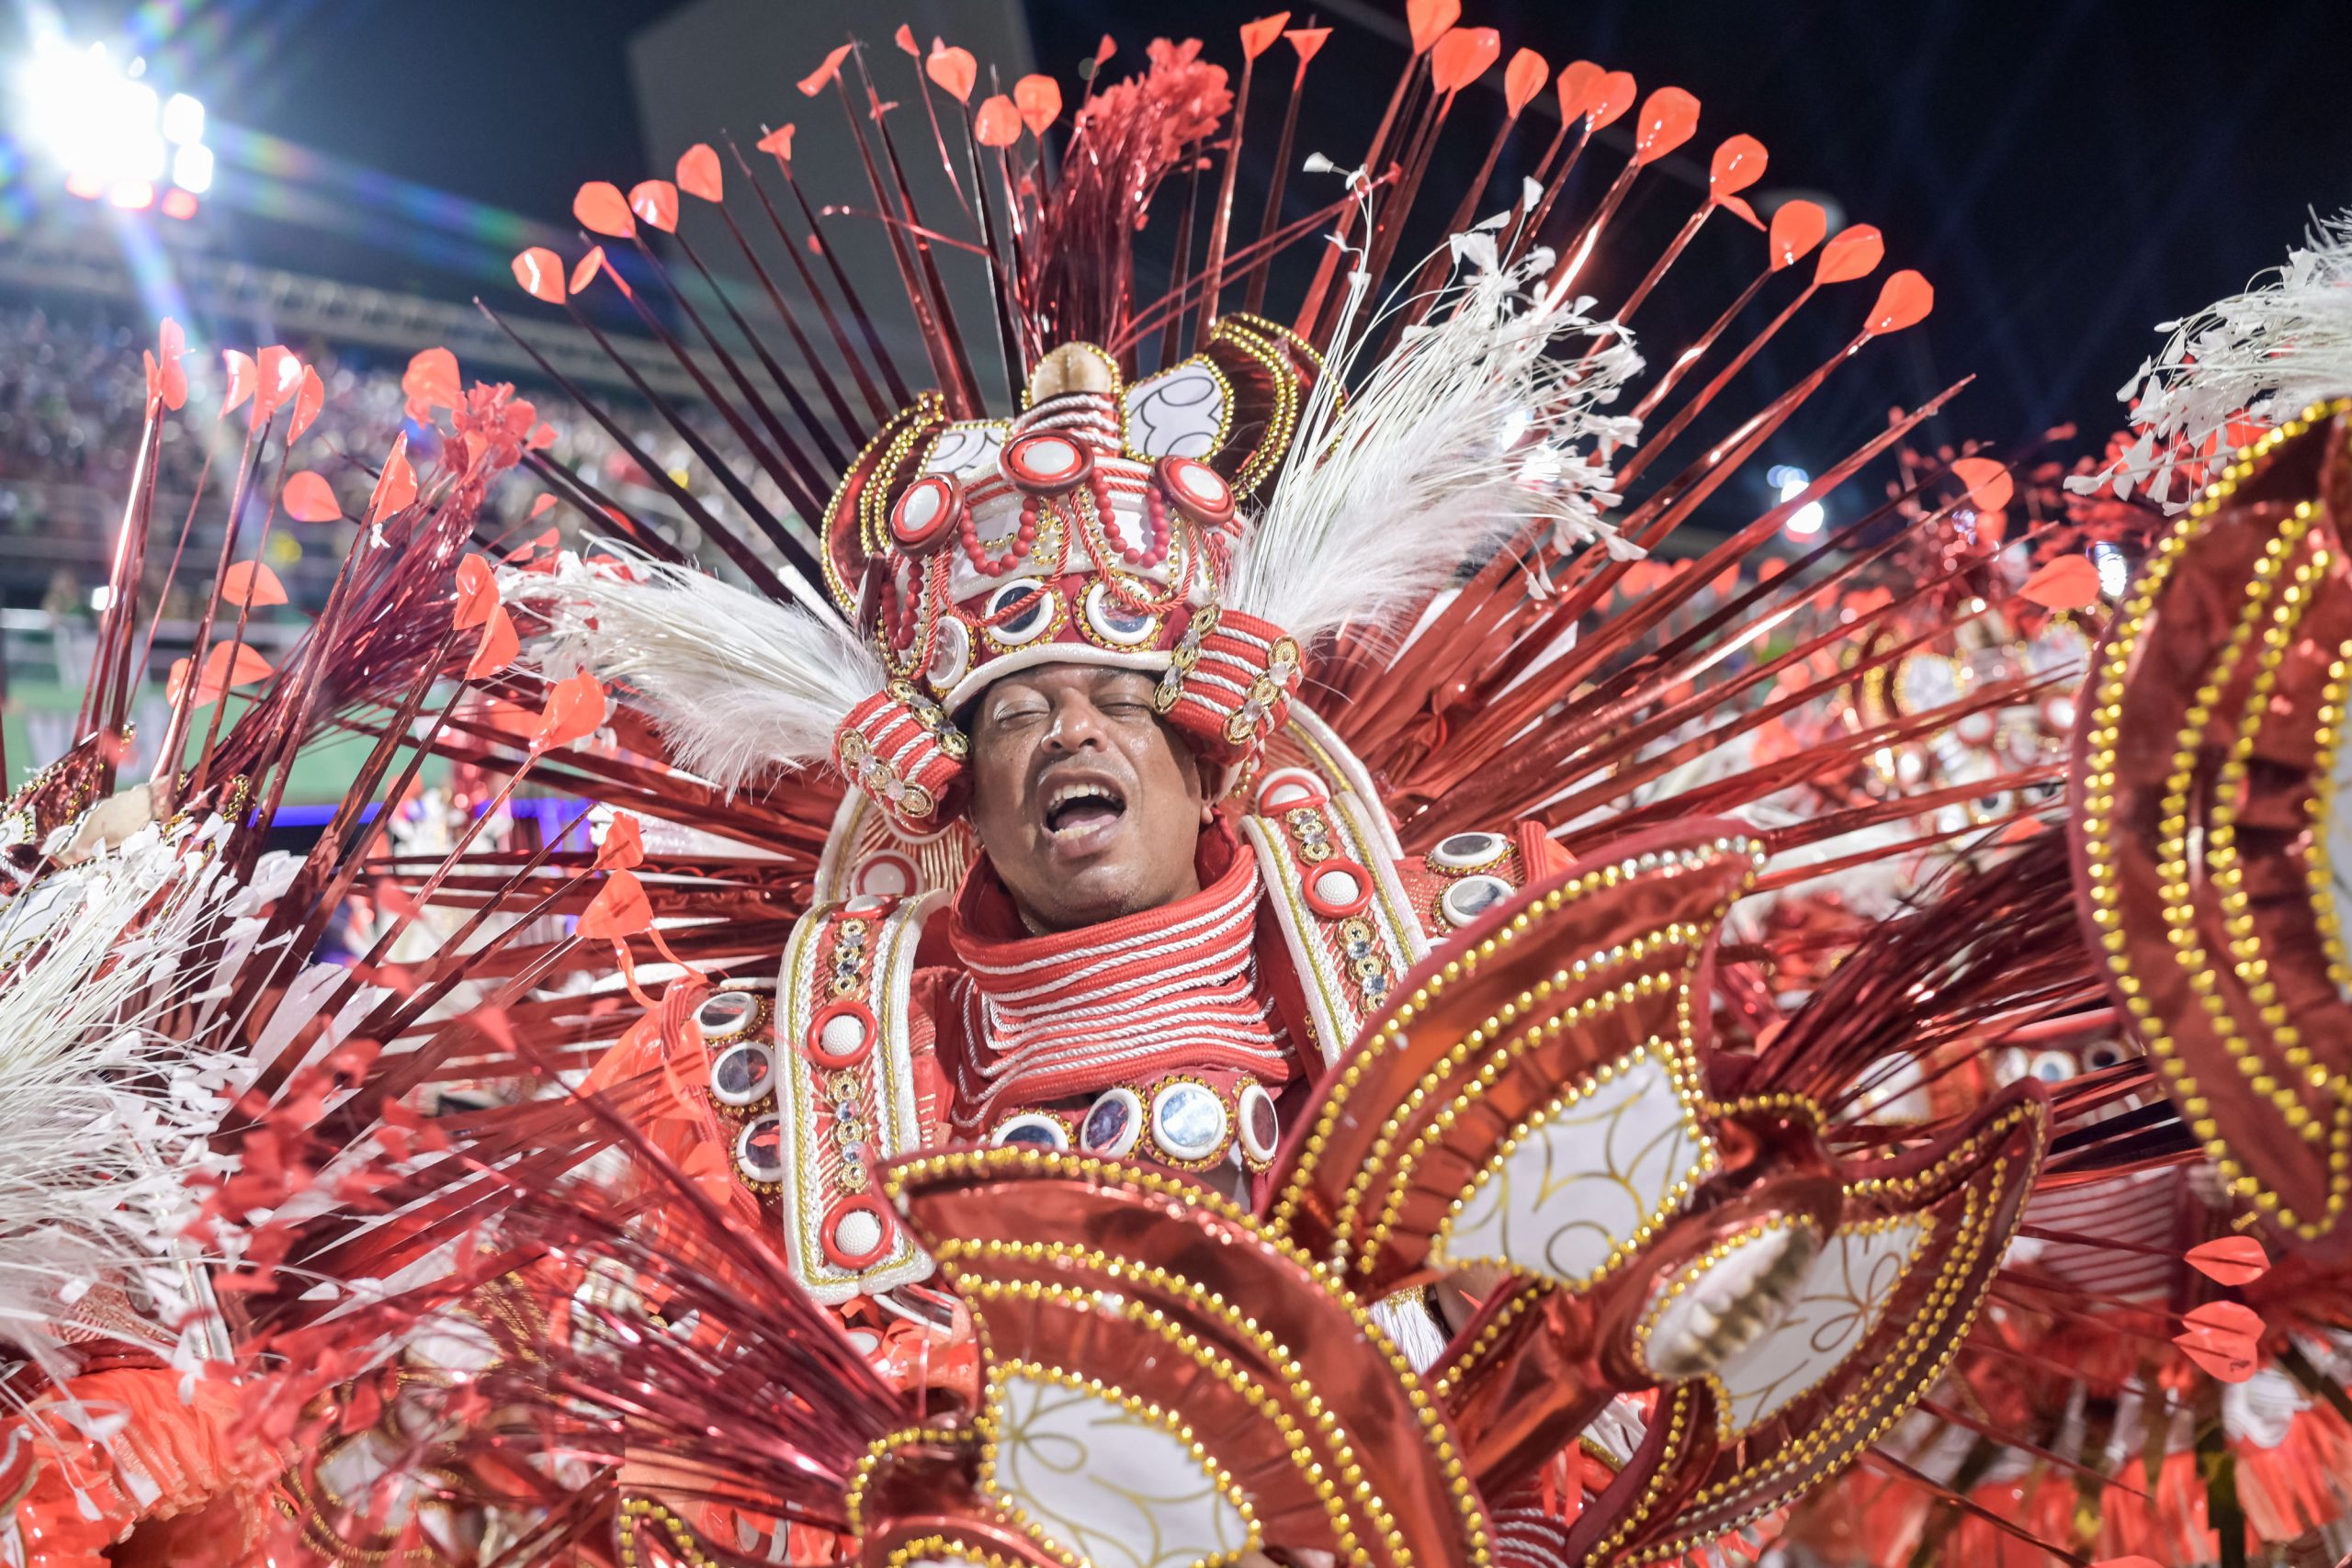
(104, 1115)
(2266, 353)
(1477, 427)
(737, 683)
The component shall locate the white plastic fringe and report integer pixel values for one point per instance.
(2264, 355)
(737, 683)
(1475, 429)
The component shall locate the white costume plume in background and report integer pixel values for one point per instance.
(1476, 428)
(2266, 352)
(738, 684)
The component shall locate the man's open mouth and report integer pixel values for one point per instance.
(1081, 806)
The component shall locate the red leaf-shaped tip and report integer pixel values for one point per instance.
(1259, 35)
(1429, 20)
(1903, 300)
(602, 210)
(226, 666)
(575, 707)
(308, 498)
(477, 591)
(1853, 251)
(1668, 119)
(1989, 484)
(540, 272)
(310, 396)
(1039, 99)
(1461, 56)
(2069, 582)
(998, 124)
(2232, 1259)
(243, 378)
(954, 71)
(430, 382)
(777, 143)
(619, 909)
(1575, 87)
(698, 173)
(541, 504)
(1738, 164)
(280, 377)
(1105, 48)
(624, 845)
(583, 271)
(1797, 227)
(656, 201)
(1307, 42)
(251, 583)
(1738, 207)
(170, 341)
(170, 382)
(1610, 97)
(396, 486)
(2223, 1337)
(816, 80)
(905, 39)
(1523, 78)
(498, 646)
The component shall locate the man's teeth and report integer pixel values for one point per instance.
(1065, 798)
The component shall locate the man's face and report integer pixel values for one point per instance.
(1087, 804)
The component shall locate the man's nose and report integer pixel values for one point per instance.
(1078, 725)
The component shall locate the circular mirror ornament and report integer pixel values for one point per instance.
(1112, 1122)
(743, 1074)
(1046, 463)
(1189, 1122)
(1199, 491)
(924, 516)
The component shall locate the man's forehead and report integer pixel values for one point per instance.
(1067, 675)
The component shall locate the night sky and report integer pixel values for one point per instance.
(2067, 173)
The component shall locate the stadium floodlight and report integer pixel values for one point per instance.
(192, 168)
(114, 137)
(183, 120)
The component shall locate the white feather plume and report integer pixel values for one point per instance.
(104, 1113)
(1477, 427)
(2266, 353)
(737, 683)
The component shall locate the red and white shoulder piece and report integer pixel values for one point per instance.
(1331, 876)
(840, 1070)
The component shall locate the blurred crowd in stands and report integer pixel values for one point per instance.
(72, 395)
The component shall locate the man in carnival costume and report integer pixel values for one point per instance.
(1179, 917)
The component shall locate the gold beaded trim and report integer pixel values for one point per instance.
(1456, 1368)
(940, 1548)
(2099, 849)
(1679, 1427)
(991, 1429)
(1458, 969)
(636, 1513)
(1839, 1432)
(973, 1164)
(882, 1448)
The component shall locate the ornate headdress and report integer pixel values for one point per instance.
(1099, 526)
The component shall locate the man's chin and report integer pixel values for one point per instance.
(1091, 897)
